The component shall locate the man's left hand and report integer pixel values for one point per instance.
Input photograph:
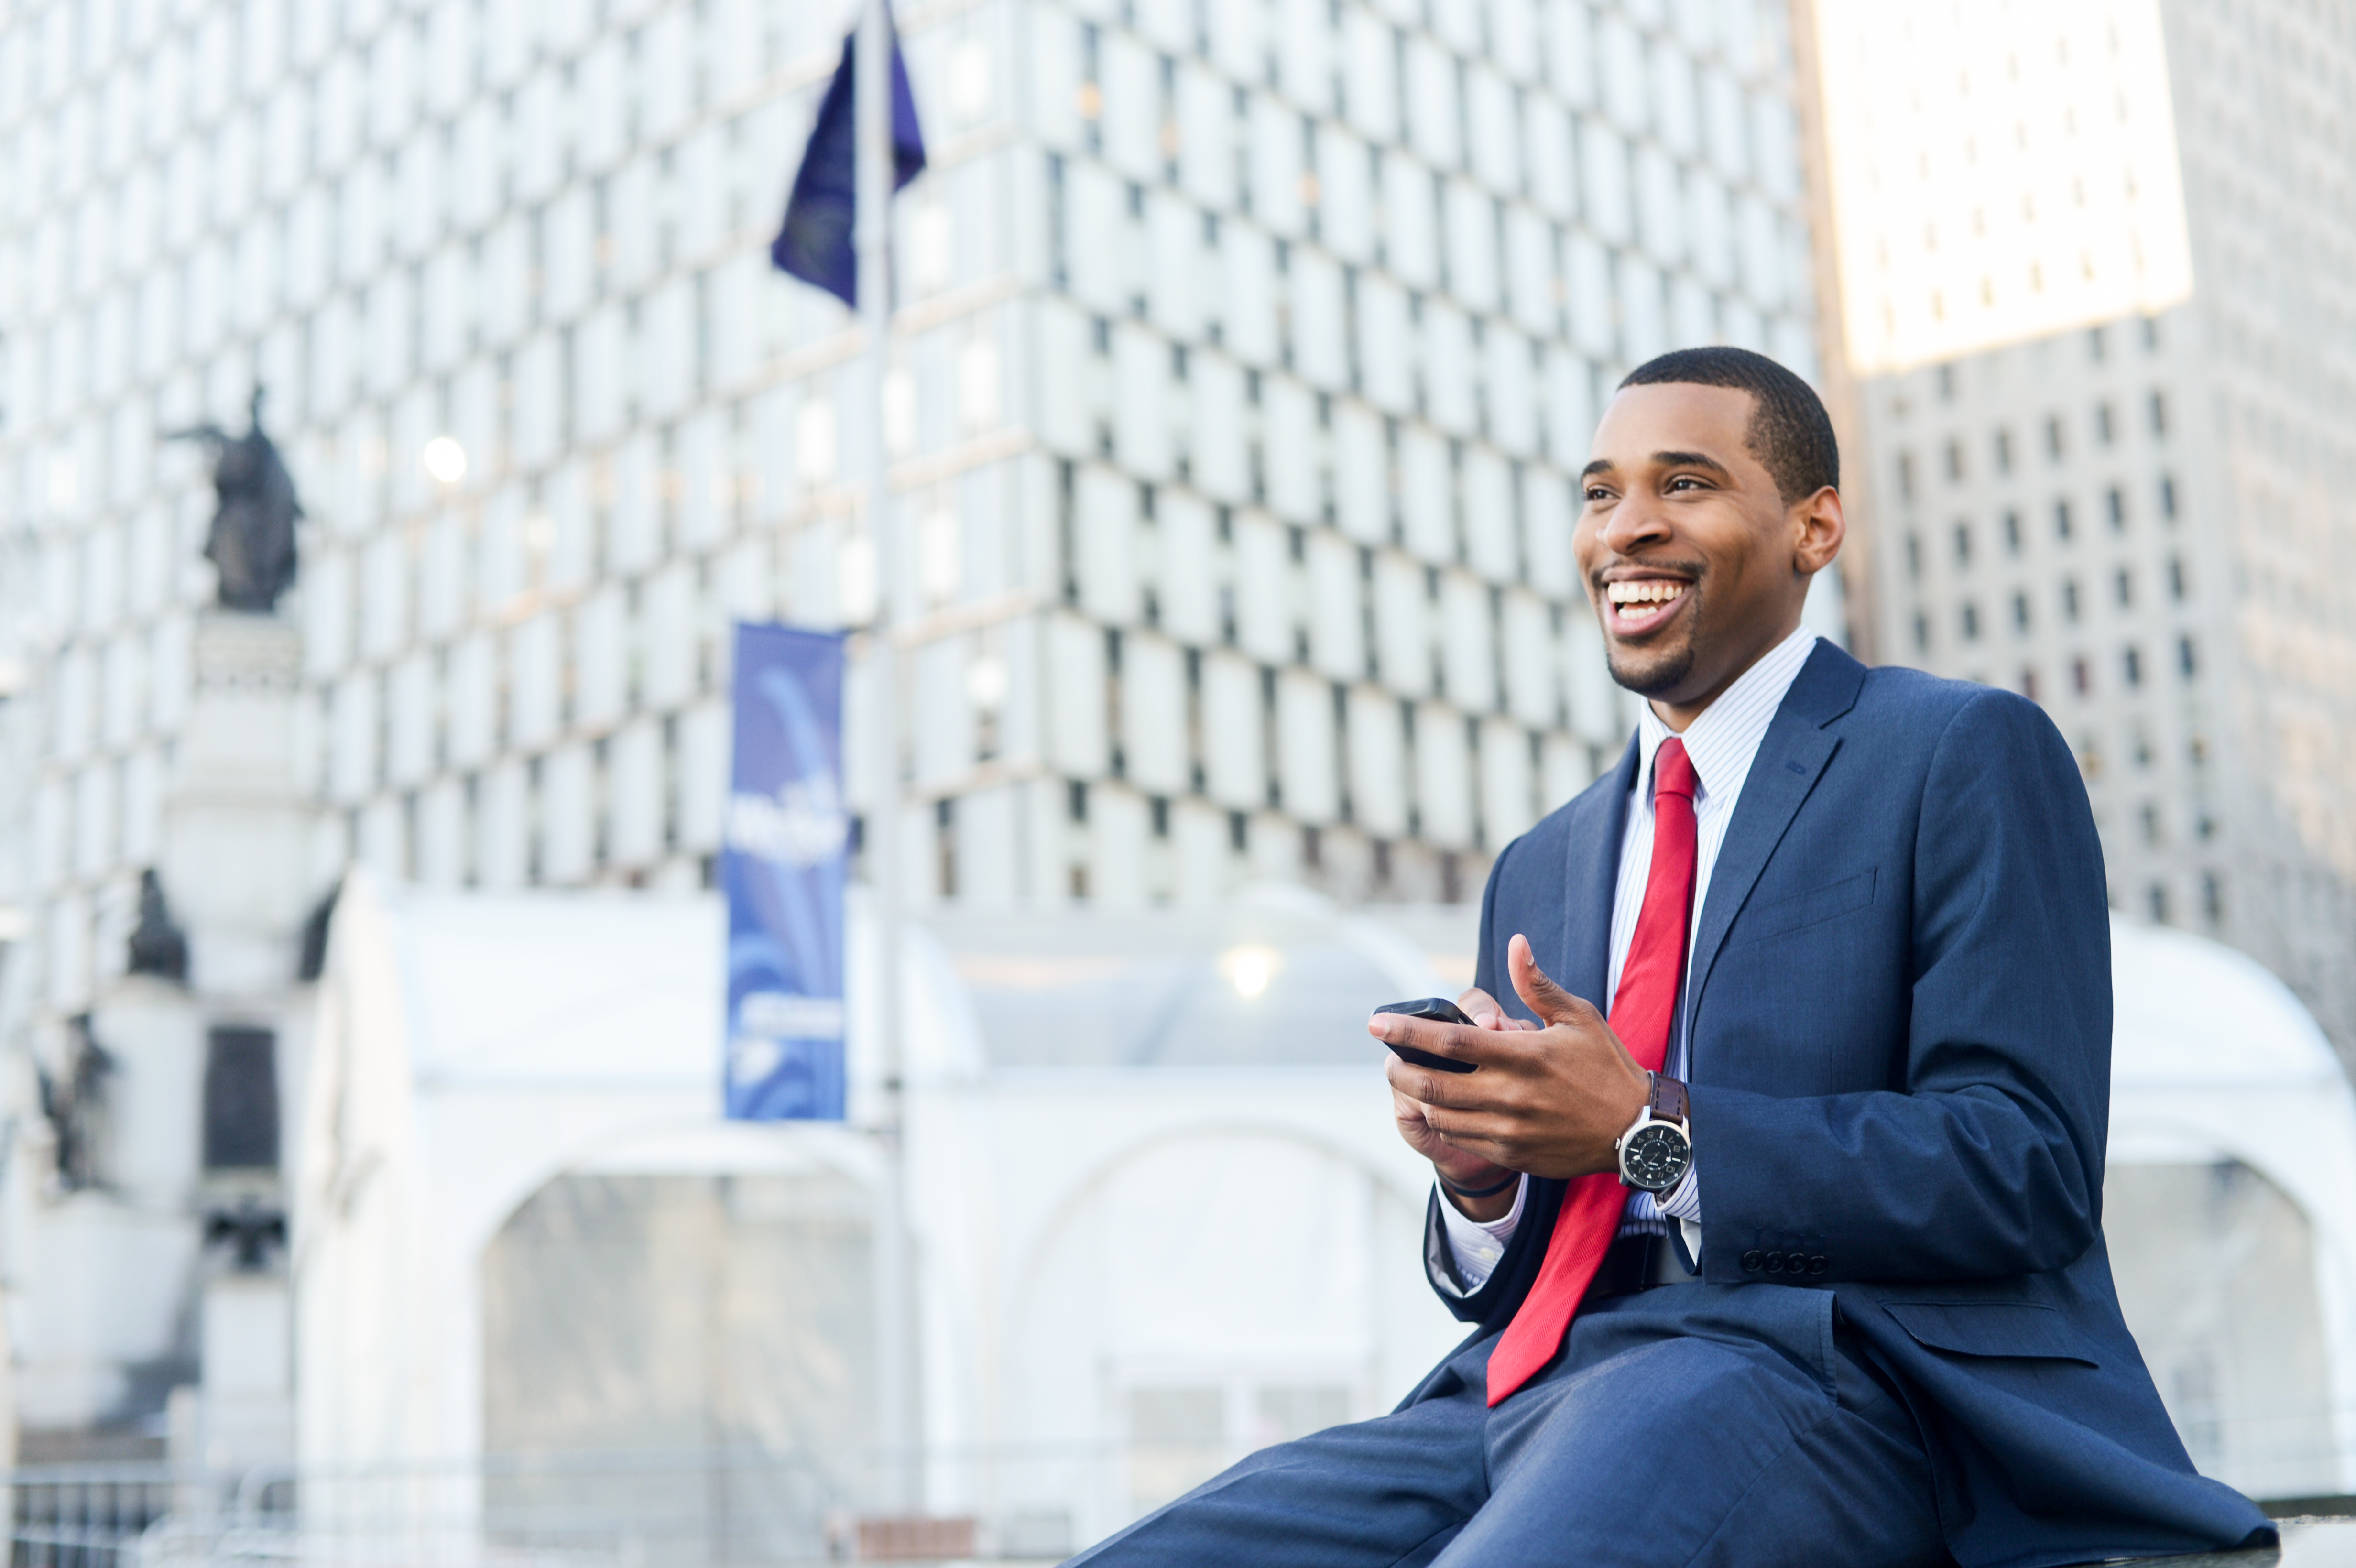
(1552, 1101)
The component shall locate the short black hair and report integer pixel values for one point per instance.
(1790, 433)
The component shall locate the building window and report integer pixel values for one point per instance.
(2212, 899)
(1955, 461)
(2131, 664)
(2021, 612)
(240, 1110)
(2117, 504)
(2103, 425)
(2167, 497)
(1962, 544)
(2158, 900)
(2012, 532)
(2070, 598)
(2159, 413)
(2176, 578)
(1922, 633)
(1906, 476)
(1971, 620)
(2096, 344)
(2123, 585)
(1058, 272)
(1946, 383)
(2081, 677)
(2029, 684)
(2004, 452)
(2062, 519)
(1913, 557)
(2188, 659)
(2053, 437)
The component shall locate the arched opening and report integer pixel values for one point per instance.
(2216, 1275)
(718, 1330)
(1179, 1317)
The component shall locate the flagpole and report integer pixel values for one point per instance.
(894, 1384)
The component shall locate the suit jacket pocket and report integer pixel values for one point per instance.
(1813, 906)
(1991, 1328)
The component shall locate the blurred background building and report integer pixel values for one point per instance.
(2094, 261)
(1244, 356)
(1245, 352)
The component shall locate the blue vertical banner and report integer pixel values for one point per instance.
(784, 862)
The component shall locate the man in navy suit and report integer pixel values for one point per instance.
(1791, 1253)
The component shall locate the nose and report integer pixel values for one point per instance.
(1638, 520)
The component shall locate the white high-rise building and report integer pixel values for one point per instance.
(2137, 509)
(1245, 355)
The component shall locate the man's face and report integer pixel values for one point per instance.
(1694, 563)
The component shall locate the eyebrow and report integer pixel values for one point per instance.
(1690, 459)
(1663, 460)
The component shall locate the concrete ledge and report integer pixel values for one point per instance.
(2310, 1541)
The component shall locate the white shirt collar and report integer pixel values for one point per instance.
(1721, 741)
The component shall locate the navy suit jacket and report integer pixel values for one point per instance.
(1899, 1013)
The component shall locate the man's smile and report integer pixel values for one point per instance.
(1638, 605)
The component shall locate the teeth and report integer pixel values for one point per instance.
(1642, 592)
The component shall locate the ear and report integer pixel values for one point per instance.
(1818, 526)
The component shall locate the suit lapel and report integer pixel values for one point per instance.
(1590, 880)
(1790, 761)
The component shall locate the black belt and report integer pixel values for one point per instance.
(1638, 1261)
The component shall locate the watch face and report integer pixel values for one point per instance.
(1655, 1156)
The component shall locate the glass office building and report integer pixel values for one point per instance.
(2143, 522)
(1244, 353)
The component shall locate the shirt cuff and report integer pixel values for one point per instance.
(1683, 1201)
(1476, 1245)
(1683, 1205)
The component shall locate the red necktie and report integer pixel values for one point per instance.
(1641, 1013)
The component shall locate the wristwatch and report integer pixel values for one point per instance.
(1656, 1151)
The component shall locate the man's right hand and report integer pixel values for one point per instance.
(1455, 1166)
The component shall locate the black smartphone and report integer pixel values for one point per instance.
(1441, 1010)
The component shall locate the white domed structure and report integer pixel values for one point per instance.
(523, 1229)
(2231, 1210)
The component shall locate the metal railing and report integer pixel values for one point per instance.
(694, 1509)
(82, 1516)
(719, 1508)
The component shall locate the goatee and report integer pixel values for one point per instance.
(1655, 678)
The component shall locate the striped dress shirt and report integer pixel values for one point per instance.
(1721, 743)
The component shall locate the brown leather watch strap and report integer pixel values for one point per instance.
(1669, 1100)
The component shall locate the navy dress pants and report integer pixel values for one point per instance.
(1699, 1424)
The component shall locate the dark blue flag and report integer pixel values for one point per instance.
(815, 244)
(783, 863)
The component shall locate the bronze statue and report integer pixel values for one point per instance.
(251, 545)
(158, 947)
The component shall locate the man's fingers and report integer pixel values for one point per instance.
(1538, 990)
(1482, 1008)
(1486, 1012)
(1487, 1094)
(1492, 1138)
(1422, 1084)
(1455, 1041)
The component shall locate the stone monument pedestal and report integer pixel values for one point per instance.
(236, 834)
